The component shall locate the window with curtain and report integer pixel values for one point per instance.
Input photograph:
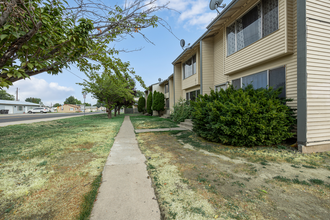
(189, 67)
(259, 22)
(258, 80)
(270, 17)
(275, 78)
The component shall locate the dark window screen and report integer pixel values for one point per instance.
(237, 83)
(187, 96)
(193, 95)
(167, 104)
(277, 79)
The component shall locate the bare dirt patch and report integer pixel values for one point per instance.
(236, 183)
(149, 122)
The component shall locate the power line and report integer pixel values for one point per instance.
(74, 74)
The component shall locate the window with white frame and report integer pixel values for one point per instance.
(257, 23)
(20, 108)
(71, 109)
(189, 67)
(192, 95)
(166, 88)
(219, 87)
(274, 78)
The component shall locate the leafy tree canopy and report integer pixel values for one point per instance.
(56, 105)
(108, 88)
(6, 96)
(99, 104)
(46, 36)
(87, 104)
(139, 94)
(72, 100)
(33, 100)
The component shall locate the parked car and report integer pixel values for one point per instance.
(38, 110)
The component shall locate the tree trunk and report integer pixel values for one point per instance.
(109, 113)
(119, 107)
(115, 111)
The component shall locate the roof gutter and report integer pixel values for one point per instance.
(189, 48)
(224, 11)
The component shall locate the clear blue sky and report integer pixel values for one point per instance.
(152, 62)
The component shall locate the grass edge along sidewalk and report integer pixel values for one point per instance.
(48, 167)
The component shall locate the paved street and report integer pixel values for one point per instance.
(30, 118)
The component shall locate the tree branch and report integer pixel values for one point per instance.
(17, 44)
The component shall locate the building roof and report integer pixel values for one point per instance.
(10, 102)
(210, 28)
(72, 105)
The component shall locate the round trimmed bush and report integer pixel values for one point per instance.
(243, 117)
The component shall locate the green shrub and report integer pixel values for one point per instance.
(158, 103)
(243, 117)
(141, 104)
(149, 103)
(181, 110)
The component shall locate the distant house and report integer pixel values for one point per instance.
(69, 108)
(16, 107)
(91, 108)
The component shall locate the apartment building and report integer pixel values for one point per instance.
(266, 43)
(163, 87)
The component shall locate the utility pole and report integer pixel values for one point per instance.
(84, 94)
(17, 94)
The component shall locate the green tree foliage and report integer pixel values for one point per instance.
(46, 36)
(87, 104)
(142, 104)
(149, 103)
(181, 110)
(6, 96)
(99, 104)
(139, 94)
(158, 103)
(128, 103)
(244, 117)
(72, 100)
(56, 105)
(33, 100)
(108, 88)
(35, 38)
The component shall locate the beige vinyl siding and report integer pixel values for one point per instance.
(219, 77)
(207, 65)
(178, 81)
(170, 85)
(318, 72)
(190, 81)
(190, 90)
(289, 61)
(268, 48)
(194, 79)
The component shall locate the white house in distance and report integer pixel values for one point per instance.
(17, 107)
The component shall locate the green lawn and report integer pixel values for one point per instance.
(147, 122)
(46, 168)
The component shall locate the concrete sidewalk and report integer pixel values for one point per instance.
(126, 192)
